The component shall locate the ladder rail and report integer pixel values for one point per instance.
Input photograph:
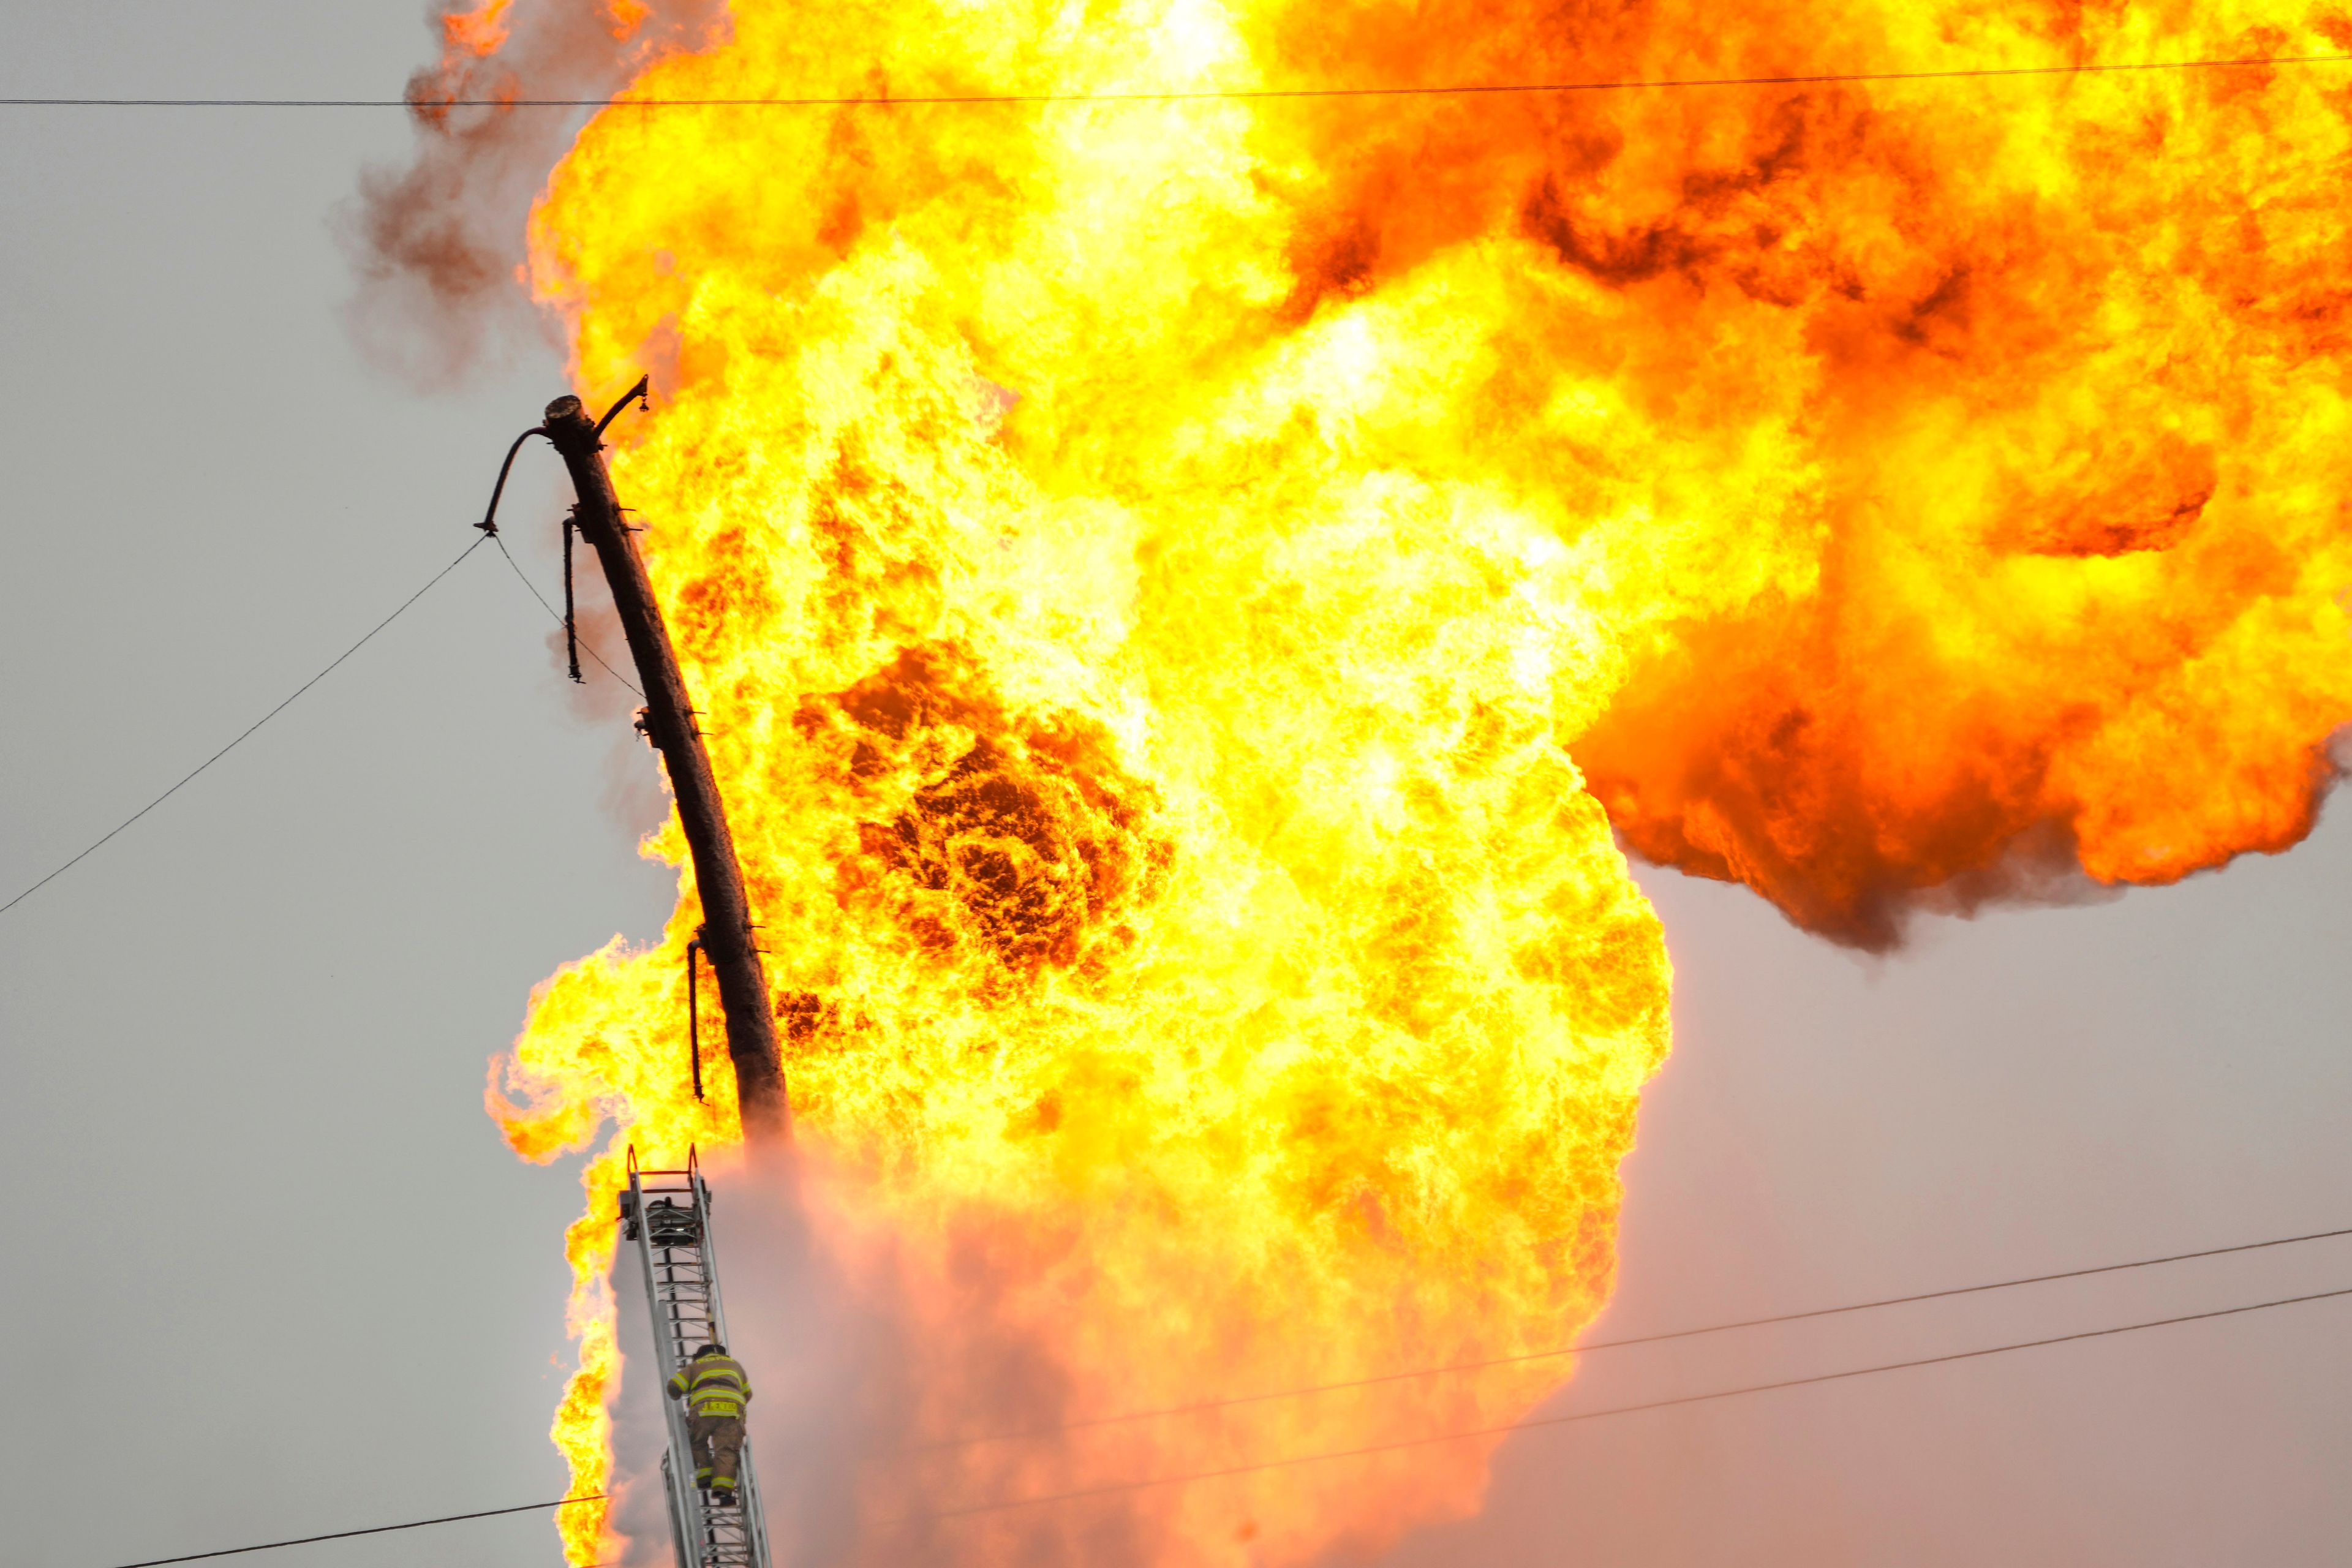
(678, 1526)
(683, 1302)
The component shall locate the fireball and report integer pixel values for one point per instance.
(1191, 587)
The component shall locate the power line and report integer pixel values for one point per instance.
(376, 1530)
(1545, 1421)
(1464, 90)
(1620, 1345)
(248, 730)
(587, 647)
(1538, 1423)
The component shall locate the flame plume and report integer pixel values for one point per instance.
(1172, 588)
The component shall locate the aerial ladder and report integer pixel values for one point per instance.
(668, 1214)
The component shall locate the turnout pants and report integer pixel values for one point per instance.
(717, 1449)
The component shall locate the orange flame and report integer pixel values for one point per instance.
(1147, 568)
(627, 16)
(476, 32)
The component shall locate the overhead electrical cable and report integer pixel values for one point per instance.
(374, 1529)
(557, 616)
(1199, 95)
(1574, 1417)
(1535, 1424)
(243, 734)
(1209, 1404)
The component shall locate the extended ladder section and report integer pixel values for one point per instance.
(668, 1214)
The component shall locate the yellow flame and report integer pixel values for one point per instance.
(1177, 881)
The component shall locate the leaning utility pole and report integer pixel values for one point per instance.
(669, 724)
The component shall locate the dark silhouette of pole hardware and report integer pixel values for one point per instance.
(694, 1010)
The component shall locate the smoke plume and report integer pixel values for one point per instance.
(438, 246)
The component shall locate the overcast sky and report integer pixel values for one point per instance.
(271, 1271)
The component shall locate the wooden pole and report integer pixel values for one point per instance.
(727, 936)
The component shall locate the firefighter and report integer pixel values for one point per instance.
(715, 1391)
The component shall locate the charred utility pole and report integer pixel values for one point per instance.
(727, 937)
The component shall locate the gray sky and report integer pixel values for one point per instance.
(273, 1272)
